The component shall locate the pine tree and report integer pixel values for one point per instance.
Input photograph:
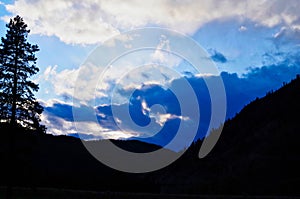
(18, 106)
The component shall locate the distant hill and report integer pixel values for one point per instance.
(258, 153)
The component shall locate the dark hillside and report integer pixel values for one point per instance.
(62, 162)
(258, 153)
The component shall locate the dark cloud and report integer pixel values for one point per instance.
(63, 111)
(217, 56)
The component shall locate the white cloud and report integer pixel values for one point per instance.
(52, 102)
(164, 44)
(145, 108)
(92, 21)
(118, 134)
(242, 28)
(58, 126)
(205, 75)
(92, 83)
(161, 119)
(163, 55)
(65, 81)
(124, 39)
(62, 82)
(79, 22)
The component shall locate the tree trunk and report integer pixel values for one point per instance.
(14, 92)
(13, 123)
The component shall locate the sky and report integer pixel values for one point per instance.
(115, 69)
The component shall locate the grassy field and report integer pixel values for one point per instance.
(47, 193)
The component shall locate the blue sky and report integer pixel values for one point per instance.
(254, 45)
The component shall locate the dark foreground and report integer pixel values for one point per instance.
(47, 193)
(258, 154)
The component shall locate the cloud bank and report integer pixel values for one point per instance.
(240, 91)
(93, 21)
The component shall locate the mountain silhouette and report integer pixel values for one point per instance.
(258, 153)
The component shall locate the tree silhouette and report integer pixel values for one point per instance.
(18, 106)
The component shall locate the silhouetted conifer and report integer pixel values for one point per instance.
(18, 106)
